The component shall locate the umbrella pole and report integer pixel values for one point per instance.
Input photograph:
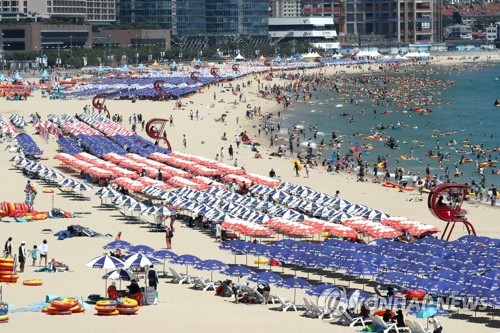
(294, 294)
(163, 266)
(106, 285)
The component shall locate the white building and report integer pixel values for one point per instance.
(492, 32)
(319, 31)
(459, 31)
(285, 8)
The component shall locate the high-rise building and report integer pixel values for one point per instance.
(285, 8)
(82, 11)
(395, 21)
(195, 18)
(145, 11)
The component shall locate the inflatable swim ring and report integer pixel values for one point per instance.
(106, 308)
(56, 311)
(127, 302)
(106, 303)
(66, 303)
(77, 309)
(7, 267)
(4, 318)
(9, 278)
(6, 261)
(263, 261)
(128, 311)
(114, 313)
(34, 282)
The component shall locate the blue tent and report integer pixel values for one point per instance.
(45, 75)
(17, 76)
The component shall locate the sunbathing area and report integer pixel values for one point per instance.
(104, 227)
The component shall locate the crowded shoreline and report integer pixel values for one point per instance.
(189, 135)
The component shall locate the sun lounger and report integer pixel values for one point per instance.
(387, 327)
(285, 305)
(310, 311)
(200, 283)
(179, 278)
(351, 321)
(315, 311)
(416, 327)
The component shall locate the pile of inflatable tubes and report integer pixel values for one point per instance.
(127, 306)
(11, 209)
(7, 270)
(107, 308)
(33, 283)
(63, 307)
(4, 310)
(123, 306)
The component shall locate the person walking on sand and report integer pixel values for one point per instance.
(7, 249)
(306, 167)
(171, 120)
(231, 152)
(169, 233)
(22, 256)
(184, 141)
(118, 236)
(33, 254)
(296, 168)
(44, 250)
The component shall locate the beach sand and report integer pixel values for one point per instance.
(181, 308)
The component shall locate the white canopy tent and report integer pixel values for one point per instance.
(239, 57)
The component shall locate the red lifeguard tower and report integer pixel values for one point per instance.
(98, 103)
(155, 130)
(445, 202)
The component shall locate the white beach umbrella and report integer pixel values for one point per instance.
(67, 182)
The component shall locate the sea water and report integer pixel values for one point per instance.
(467, 108)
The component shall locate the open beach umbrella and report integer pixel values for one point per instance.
(321, 289)
(164, 254)
(107, 262)
(265, 277)
(138, 207)
(238, 271)
(144, 249)
(294, 283)
(81, 187)
(427, 311)
(139, 260)
(67, 182)
(211, 265)
(120, 274)
(119, 244)
(186, 260)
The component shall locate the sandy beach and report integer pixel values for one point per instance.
(180, 307)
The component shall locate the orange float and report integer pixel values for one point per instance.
(9, 278)
(34, 282)
(64, 304)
